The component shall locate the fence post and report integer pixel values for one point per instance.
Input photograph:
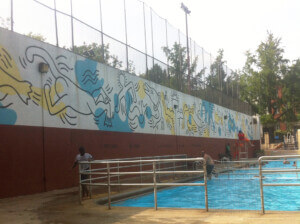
(126, 41)
(101, 27)
(108, 185)
(145, 34)
(55, 17)
(12, 15)
(179, 84)
(152, 41)
(154, 185)
(72, 27)
(167, 45)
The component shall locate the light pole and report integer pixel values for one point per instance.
(187, 11)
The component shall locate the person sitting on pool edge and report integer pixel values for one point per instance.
(209, 164)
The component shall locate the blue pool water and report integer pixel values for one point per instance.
(234, 190)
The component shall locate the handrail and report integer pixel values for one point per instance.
(154, 172)
(135, 161)
(261, 171)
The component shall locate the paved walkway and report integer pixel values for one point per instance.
(61, 207)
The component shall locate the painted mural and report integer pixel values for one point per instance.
(80, 93)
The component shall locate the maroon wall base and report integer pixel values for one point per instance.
(36, 159)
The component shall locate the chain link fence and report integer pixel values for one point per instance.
(131, 37)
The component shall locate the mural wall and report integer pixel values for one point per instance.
(79, 93)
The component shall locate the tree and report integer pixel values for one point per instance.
(290, 100)
(98, 53)
(262, 75)
(157, 74)
(102, 54)
(217, 76)
(36, 36)
(178, 66)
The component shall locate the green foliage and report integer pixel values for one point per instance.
(280, 133)
(262, 76)
(290, 101)
(158, 75)
(179, 66)
(267, 119)
(102, 54)
(219, 79)
(217, 76)
(36, 36)
(98, 53)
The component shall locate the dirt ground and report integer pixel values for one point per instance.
(62, 207)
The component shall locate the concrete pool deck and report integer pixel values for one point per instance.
(62, 207)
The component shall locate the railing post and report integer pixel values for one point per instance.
(158, 176)
(261, 187)
(186, 163)
(154, 185)
(118, 176)
(205, 185)
(80, 187)
(108, 185)
(90, 177)
(141, 168)
(174, 163)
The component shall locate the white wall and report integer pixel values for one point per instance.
(80, 93)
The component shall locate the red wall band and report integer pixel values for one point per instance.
(37, 159)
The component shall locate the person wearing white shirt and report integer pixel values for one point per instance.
(83, 156)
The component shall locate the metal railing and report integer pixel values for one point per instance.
(261, 171)
(108, 174)
(142, 166)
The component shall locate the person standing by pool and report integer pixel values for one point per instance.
(227, 151)
(209, 164)
(83, 156)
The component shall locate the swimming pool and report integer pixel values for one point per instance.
(237, 190)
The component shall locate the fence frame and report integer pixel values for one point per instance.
(152, 172)
(261, 171)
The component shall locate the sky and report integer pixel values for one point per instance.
(233, 25)
(236, 25)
